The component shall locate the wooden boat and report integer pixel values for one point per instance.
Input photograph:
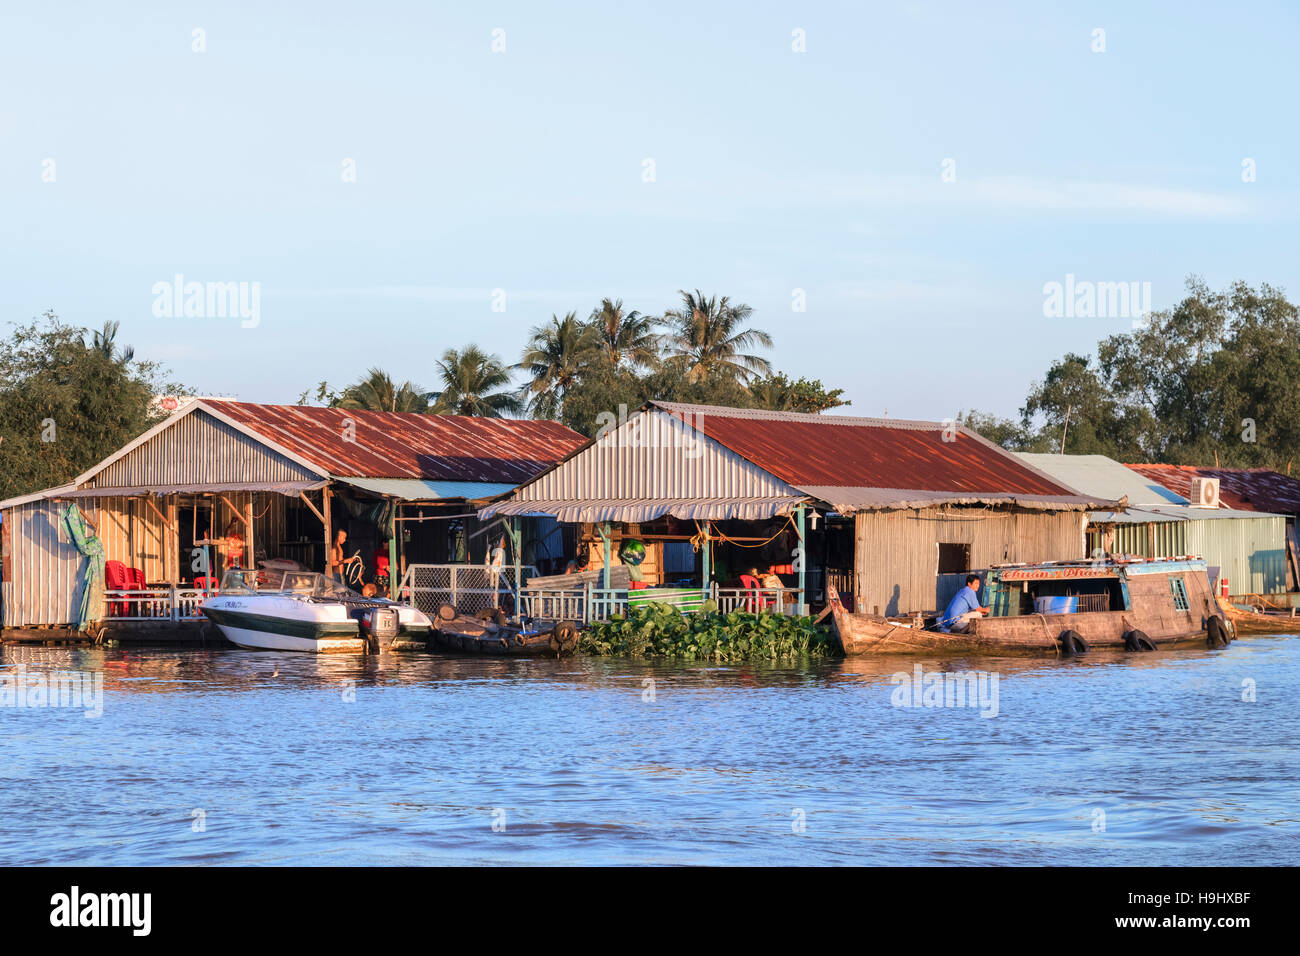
(493, 635)
(1261, 621)
(1113, 605)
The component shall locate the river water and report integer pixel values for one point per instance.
(223, 756)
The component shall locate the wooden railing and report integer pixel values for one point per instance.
(588, 603)
(169, 602)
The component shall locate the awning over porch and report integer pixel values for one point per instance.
(849, 500)
(291, 488)
(420, 489)
(637, 510)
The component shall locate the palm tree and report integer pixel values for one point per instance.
(625, 335)
(105, 343)
(377, 393)
(554, 358)
(708, 337)
(474, 383)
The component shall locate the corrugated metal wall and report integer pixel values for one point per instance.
(654, 455)
(1250, 552)
(897, 552)
(195, 449)
(1149, 539)
(43, 576)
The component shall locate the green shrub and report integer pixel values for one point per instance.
(660, 631)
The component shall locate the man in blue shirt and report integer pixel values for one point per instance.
(963, 608)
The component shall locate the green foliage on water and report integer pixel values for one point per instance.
(660, 631)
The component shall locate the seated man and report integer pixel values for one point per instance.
(963, 608)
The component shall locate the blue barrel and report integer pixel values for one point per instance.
(1056, 605)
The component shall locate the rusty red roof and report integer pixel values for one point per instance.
(842, 451)
(1242, 489)
(406, 444)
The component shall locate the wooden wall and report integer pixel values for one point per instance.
(897, 552)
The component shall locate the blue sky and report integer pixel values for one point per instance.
(522, 171)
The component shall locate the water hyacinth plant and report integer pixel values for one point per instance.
(661, 631)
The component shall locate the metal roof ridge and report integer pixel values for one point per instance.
(765, 414)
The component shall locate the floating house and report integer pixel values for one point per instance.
(1242, 489)
(283, 478)
(893, 513)
(1245, 547)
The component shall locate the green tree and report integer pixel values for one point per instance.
(105, 342)
(1074, 401)
(377, 393)
(708, 338)
(554, 359)
(474, 383)
(66, 405)
(1010, 434)
(623, 336)
(775, 391)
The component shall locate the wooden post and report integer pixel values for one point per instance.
(803, 561)
(604, 547)
(706, 556)
(392, 552)
(325, 519)
(517, 539)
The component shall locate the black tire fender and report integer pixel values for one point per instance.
(1138, 642)
(1071, 642)
(1217, 633)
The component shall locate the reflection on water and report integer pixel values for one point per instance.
(228, 756)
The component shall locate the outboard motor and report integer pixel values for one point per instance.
(379, 623)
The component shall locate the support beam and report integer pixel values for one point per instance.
(706, 555)
(604, 547)
(314, 509)
(802, 563)
(393, 572)
(517, 539)
(325, 520)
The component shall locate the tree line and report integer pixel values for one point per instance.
(70, 397)
(1213, 380)
(703, 350)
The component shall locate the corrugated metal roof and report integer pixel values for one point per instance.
(291, 488)
(1172, 513)
(351, 443)
(1104, 477)
(647, 509)
(1246, 489)
(421, 489)
(846, 501)
(843, 451)
(34, 496)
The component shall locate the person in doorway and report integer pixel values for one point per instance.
(338, 564)
(963, 608)
(579, 562)
(231, 545)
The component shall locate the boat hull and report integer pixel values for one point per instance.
(465, 635)
(1250, 622)
(1041, 634)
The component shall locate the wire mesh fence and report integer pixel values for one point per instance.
(469, 588)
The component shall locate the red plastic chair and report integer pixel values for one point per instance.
(117, 578)
(206, 584)
(136, 577)
(755, 601)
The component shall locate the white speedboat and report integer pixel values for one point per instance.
(307, 611)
